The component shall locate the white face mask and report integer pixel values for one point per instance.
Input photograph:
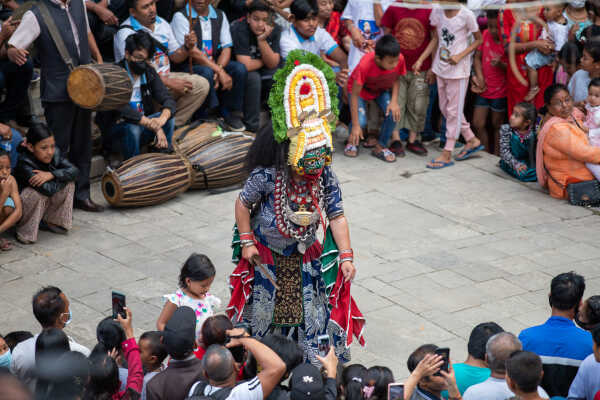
(577, 3)
(68, 321)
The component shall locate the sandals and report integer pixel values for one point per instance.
(370, 142)
(437, 164)
(384, 155)
(350, 150)
(5, 245)
(23, 240)
(467, 153)
(530, 96)
(397, 148)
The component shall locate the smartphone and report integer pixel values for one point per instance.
(118, 305)
(396, 391)
(324, 344)
(445, 353)
(238, 353)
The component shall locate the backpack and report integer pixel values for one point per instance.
(198, 392)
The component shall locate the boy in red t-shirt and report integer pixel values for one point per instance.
(376, 77)
(414, 32)
(489, 83)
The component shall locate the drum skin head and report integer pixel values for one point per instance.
(94, 85)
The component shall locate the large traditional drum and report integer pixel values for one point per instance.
(218, 161)
(197, 131)
(147, 179)
(99, 87)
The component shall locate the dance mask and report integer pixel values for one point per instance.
(304, 110)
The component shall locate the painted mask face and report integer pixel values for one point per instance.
(314, 161)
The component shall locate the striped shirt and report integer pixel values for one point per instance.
(249, 390)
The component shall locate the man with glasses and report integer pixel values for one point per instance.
(147, 119)
(52, 310)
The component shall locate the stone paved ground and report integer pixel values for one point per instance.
(437, 252)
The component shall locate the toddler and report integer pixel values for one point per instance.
(517, 143)
(558, 32)
(197, 274)
(9, 199)
(592, 121)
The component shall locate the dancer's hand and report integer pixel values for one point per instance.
(249, 252)
(348, 270)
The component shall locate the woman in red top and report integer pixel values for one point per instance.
(330, 21)
(527, 40)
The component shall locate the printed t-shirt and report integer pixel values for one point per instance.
(412, 30)
(162, 33)
(181, 27)
(374, 79)
(495, 77)
(453, 34)
(320, 42)
(362, 15)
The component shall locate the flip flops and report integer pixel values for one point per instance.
(435, 164)
(350, 150)
(5, 245)
(383, 155)
(468, 153)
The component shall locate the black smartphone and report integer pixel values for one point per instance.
(238, 353)
(324, 344)
(445, 353)
(396, 391)
(118, 305)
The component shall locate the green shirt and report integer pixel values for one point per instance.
(467, 375)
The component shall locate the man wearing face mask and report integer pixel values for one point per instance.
(147, 117)
(51, 308)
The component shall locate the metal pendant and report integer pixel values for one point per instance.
(301, 247)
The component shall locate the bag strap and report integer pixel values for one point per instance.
(56, 37)
(158, 44)
(554, 180)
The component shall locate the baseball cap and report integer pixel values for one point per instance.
(306, 383)
(179, 336)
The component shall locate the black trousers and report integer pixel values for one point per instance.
(72, 129)
(258, 85)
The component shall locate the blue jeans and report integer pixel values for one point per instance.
(433, 95)
(388, 123)
(134, 136)
(14, 143)
(232, 99)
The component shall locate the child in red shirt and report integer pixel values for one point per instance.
(489, 83)
(376, 77)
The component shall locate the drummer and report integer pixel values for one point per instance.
(70, 124)
(147, 117)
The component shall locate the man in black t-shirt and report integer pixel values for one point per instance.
(256, 45)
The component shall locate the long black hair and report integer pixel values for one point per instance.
(354, 379)
(265, 151)
(49, 345)
(37, 133)
(552, 90)
(197, 267)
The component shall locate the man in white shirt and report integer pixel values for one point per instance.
(211, 58)
(498, 349)
(51, 309)
(188, 90)
(220, 371)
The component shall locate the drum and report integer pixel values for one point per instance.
(99, 87)
(218, 161)
(197, 131)
(147, 179)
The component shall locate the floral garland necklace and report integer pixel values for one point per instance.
(310, 201)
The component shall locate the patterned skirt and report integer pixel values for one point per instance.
(311, 298)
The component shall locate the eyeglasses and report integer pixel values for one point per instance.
(565, 102)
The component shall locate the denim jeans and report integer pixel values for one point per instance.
(134, 136)
(433, 104)
(16, 80)
(388, 123)
(13, 144)
(232, 99)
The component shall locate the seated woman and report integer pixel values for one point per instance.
(47, 183)
(517, 143)
(563, 147)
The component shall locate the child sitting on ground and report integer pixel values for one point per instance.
(9, 200)
(558, 32)
(592, 121)
(152, 353)
(195, 278)
(47, 182)
(376, 77)
(517, 143)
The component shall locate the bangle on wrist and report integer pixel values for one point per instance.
(343, 260)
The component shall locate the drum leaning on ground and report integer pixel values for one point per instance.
(99, 87)
(217, 161)
(147, 179)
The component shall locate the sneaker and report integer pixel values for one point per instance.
(234, 124)
(417, 148)
(35, 77)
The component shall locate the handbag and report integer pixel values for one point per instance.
(585, 194)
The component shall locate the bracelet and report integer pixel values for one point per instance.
(348, 252)
(343, 260)
(247, 236)
(248, 244)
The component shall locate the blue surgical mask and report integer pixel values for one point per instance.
(5, 360)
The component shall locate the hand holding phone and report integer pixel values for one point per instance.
(396, 391)
(443, 352)
(118, 305)
(323, 345)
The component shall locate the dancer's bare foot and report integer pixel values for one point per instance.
(532, 93)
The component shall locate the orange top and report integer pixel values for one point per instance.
(566, 150)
